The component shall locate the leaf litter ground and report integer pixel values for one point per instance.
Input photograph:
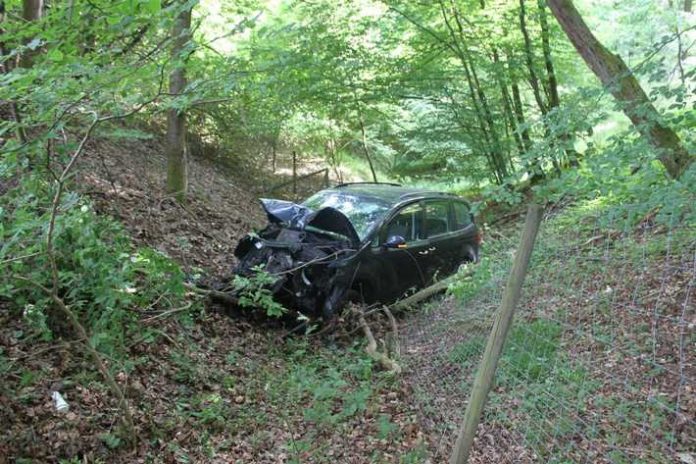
(210, 388)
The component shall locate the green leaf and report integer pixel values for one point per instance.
(152, 6)
(55, 55)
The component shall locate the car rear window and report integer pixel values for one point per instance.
(462, 215)
(362, 212)
(437, 217)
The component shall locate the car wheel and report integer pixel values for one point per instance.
(331, 310)
(352, 296)
(471, 254)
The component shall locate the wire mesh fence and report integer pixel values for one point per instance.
(599, 365)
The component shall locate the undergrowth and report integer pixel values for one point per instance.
(103, 278)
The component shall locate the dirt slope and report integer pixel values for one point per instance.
(216, 390)
(126, 179)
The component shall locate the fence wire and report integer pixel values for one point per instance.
(599, 365)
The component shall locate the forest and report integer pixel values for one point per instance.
(137, 136)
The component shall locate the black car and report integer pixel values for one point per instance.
(372, 242)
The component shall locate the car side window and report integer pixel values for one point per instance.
(462, 215)
(407, 223)
(437, 218)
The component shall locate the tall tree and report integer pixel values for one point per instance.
(453, 20)
(177, 178)
(529, 56)
(623, 85)
(31, 11)
(552, 82)
(565, 137)
(4, 69)
(364, 143)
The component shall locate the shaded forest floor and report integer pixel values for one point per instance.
(203, 386)
(211, 387)
(599, 366)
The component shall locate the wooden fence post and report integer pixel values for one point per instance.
(294, 172)
(297, 179)
(496, 340)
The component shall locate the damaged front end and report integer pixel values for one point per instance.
(307, 251)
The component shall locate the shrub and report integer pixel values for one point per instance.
(102, 277)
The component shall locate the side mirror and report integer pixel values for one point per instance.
(395, 241)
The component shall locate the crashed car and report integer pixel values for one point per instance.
(369, 242)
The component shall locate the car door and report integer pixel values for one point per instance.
(442, 244)
(401, 269)
(465, 233)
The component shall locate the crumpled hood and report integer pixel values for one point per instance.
(285, 212)
(299, 217)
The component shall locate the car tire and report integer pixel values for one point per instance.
(350, 296)
(471, 254)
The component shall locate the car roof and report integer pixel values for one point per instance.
(391, 193)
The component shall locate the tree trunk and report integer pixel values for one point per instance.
(177, 178)
(474, 89)
(478, 140)
(552, 83)
(554, 100)
(507, 102)
(274, 154)
(529, 55)
(534, 168)
(537, 88)
(482, 126)
(4, 69)
(364, 145)
(688, 5)
(618, 79)
(294, 173)
(31, 11)
(517, 107)
(497, 153)
(519, 116)
(332, 157)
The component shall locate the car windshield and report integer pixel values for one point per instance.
(363, 212)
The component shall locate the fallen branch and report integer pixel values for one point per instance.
(592, 240)
(608, 236)
(215, 295)
(384, 360)
(168, 312)
(495, 233)
(395, 330)
(506, 218)
(427, 292)
(142, 338)
(19, 258)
